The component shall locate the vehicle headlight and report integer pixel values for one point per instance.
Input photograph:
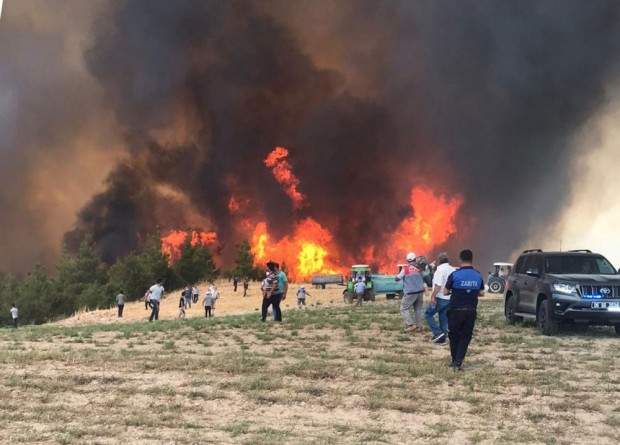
(565, 288)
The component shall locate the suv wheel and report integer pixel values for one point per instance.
(545, 321)
(509, 310)
(617, 329)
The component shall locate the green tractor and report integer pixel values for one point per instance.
(375, 284)
(359, 271)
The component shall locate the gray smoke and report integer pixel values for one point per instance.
(480, 98)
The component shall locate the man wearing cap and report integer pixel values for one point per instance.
(413, 293)
(439, 302)
(464, 286)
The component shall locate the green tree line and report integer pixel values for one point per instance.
(82, 281)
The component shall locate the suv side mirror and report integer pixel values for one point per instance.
(533, 272)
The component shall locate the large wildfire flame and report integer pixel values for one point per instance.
(283, 172)
(310, 249)
(173, 241)
(304, 253)
(432, 223)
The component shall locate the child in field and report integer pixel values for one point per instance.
(301, 297)
(182, 303)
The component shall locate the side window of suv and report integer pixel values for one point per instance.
(528, 263)
(538, 264)
(533, 262)
(519, 267)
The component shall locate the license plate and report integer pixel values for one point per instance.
(611, 306)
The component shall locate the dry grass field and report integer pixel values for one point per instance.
(230, 302)
(327, 375)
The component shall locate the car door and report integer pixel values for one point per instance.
(529, 288)
(516, 279)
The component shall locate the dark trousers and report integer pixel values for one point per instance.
(274, 301)
(234, 286)
(208, 312)
(147, 303)
(461, 323)
(154, 310)
(120, 310)
(15, 323)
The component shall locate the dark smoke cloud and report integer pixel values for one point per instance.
(46, 105)
(480, 98)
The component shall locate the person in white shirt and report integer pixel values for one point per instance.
(157, 293)
(195, 295)
(14, 315)
(215, 293)
(439, 302)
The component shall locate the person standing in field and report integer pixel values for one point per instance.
(182, 303)
(280, 295)
(187, 295)
(157, 293)
(246, 285)
(359, 288)
(215, 293)
(120, 303)
(269, 287)
(195, 294)
(301, 297)
(209, 302)
(413, 293)
(439, 302)
(464, 285)
(14, 315)
(235, 283)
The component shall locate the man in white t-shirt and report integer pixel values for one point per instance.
(14, 314)
(157, 293)
(439, 302)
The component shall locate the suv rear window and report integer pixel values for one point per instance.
(578, 264)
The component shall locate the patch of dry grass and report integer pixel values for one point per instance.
(330, 375)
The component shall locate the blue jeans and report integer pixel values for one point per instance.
(440, 308)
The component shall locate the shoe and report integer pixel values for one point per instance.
(412, 328)
(439, 339)
(456, 366)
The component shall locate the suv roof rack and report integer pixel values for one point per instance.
(581, 250)
(532, 250)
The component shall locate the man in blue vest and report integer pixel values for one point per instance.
(464, 286)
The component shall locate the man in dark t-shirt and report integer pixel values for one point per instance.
(464, 286)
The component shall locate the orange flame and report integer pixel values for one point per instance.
(173, 241)
(432, 223)
(305, 253)
(282, 171)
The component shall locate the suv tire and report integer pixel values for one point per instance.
(509, 310)
(544, 319)
(617, 329)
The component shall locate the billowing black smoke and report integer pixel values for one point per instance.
(479, 98)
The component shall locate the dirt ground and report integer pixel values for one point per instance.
(230, 302)
(327, 375)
